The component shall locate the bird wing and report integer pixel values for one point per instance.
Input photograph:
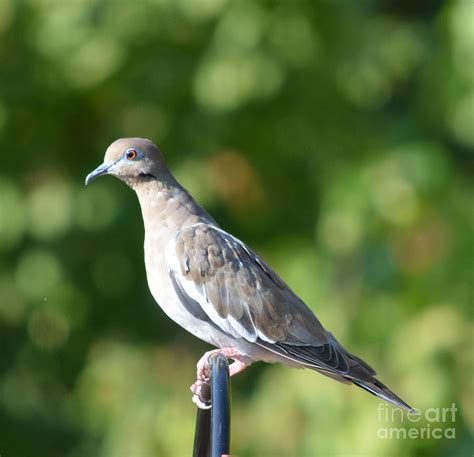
(221, 281)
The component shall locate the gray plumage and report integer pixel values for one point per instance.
(216, 287)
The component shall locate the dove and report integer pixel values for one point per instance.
(215, 287)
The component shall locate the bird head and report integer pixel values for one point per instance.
(132, 160)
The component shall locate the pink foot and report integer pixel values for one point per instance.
(240, 363)
(199, 397)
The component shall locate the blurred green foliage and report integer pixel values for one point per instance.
(334, 137)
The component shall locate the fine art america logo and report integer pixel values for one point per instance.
(432, 423)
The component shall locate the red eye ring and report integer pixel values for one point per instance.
(131, 154)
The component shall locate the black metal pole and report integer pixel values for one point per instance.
(202, 434)
(220, 400)
(212, 435)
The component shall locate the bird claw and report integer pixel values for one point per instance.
(200, 404)
(202, 388)
(203, 369)
(202, 394)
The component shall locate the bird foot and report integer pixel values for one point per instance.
(201, 388)
(201, 394)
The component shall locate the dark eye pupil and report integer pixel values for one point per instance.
(131, 154)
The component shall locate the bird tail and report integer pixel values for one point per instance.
(363, 375)
(375, 387)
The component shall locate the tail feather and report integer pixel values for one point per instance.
(378, 389)
(363, 376)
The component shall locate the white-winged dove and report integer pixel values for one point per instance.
(217, 288)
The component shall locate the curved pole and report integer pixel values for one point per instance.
(212, 435)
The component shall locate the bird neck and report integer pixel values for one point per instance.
(166, 205)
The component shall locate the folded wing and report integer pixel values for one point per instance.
(220, 280)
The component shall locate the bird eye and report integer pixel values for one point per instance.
(131, 154)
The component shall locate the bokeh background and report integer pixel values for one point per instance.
(334, 137)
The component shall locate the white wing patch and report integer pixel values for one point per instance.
(196, 292)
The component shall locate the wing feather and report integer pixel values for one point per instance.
(227, 284)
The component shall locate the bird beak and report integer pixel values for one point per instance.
(99, 171)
